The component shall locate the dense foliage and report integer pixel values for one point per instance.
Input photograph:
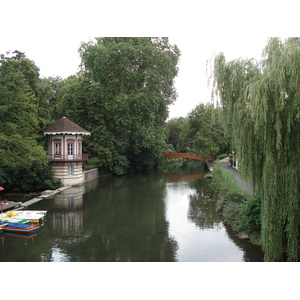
(121, 96)
(23, 161)
(200, 132)
(177, 129)
(261, 102)
(206, 133)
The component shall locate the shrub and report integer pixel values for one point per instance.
(232, 216)
(251, 210)
(38, 178)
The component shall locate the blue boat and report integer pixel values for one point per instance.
(19, 228)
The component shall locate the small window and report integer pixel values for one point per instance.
(70, 148)
(57, 147)
(70, 170)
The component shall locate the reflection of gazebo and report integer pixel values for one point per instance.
(67, 215)
(64, 147)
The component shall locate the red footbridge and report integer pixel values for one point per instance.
(189, 156)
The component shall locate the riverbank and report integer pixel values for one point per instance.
(247, 187)
(236, 203)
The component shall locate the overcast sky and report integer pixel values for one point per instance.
(50, 33)
(192, 80)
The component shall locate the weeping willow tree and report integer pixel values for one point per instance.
(261, 105)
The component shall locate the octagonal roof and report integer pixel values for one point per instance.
(65, 126)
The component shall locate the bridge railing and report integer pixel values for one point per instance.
(187, 155)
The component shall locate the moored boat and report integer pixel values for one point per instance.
(42, 212)
(15, 220)
(19, 228)
(35, 217)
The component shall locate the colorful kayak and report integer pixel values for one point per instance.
(19, 228)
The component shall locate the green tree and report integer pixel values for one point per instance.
(48, 91)
(200, 132)
(122, 95)
(206, 134)
(261, 104)
(22, 158)
(178, 134)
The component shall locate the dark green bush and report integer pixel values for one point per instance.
(232, 216)
(38, 178)
(252, 209)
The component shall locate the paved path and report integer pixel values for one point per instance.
(226, 165)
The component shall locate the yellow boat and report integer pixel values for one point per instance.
(34, 217)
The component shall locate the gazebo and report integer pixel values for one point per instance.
(64, 147)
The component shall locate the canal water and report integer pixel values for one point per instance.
(162, 216)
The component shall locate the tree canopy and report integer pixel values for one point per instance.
(23, 161)
(200, 132)
(261, 104)
(206, 133)
(121, 95)
(177, 130)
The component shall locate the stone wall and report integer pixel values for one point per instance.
(61, 171)
(91, 174)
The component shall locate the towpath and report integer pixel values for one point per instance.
(243, 185)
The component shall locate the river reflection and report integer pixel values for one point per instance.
(197, 227)
(159, 216)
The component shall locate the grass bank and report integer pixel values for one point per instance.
(238, 209)
(91, 163)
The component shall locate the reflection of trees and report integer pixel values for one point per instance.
(252, 253)
(184, 167)
(202, 211)
(126, 219)
(202, 208)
